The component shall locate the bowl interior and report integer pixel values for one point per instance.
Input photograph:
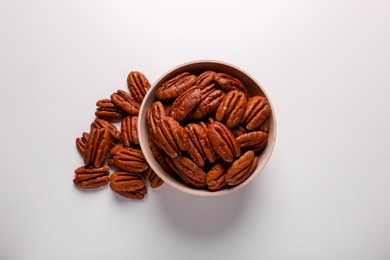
(196, 68)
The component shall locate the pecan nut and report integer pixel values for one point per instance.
(138, 85)
(229, 83)
(255, 141)
(232, 108)
(89, 177)
(238, 130)
(257, 111)
(188, 171)
(81, 142)
(223, 141)
(155, 113)
(129, 159)
(108, 110)
(215, 177)
(154, 180)
(210, 99)
(126, 181)
(126, 102)
(134, 195)
(97, 147)
(175, 86)
(265, 126)
(101, 123)
(199, 144)
(184, 103)
(241, 168)
(160, 156)
(171, 136)
(129, 130)
(205, 79)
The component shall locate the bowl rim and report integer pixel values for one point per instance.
(187, 189)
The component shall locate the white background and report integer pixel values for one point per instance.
(325, 65)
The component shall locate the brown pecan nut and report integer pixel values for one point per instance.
(154, 180)
(232, 108)
(129, 130)
(134, 195)
(160, 156)
(126, 102)
(108, 110)
(101, 123)
(210, 99)
(205, 79)
(265, 126)
(241, 168)
(238, 130)
(90, 177)
(97, 147)
(138, 85)
(255, 141)
(184, 103)
(188, 171)
(215, 177)
(81, 142)
(171, 136)
(223, 141)
(129, 159)
(126, 181)
(257, 111)
(175, 86)
(199, 144)
(229, 83)
(155, 113)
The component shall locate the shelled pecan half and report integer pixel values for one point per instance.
(81, 142)
(265, 126)
(154, 180)
(155, 113)
(160, 156)
(129, 131)
(101, 123)
(188, 171)
(210, 99)
(108, 110)
(241, 168)
(126, 102)
(138, 85)
(199, 145)
(171, 136)
(255, 141)
(90, 177)
(184, 103)
(176, 86)
(205, 79)
(126, 181)
(129, 159)
(229, 83)
(134, 195)
(257, 111)
(223, 141)
(232, 108)
(97, 146)
(215, 177)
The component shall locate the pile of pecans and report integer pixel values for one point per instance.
(206, 131)
(105, 147)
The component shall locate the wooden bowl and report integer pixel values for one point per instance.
(197, 67)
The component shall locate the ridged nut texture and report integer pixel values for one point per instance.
(138, 85)
(175, 86)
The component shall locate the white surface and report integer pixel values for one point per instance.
(325, 192)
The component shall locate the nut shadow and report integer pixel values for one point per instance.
(202, 216)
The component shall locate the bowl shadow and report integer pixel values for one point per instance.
(202, 216)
